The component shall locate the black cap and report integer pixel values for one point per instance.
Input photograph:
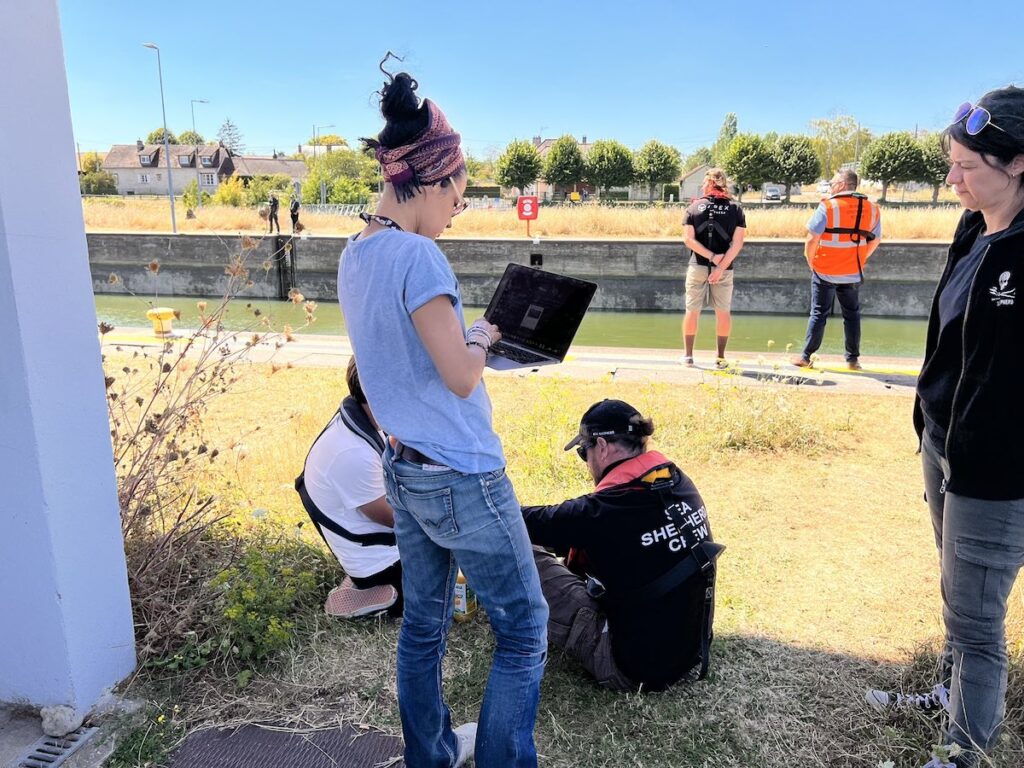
(608, 418)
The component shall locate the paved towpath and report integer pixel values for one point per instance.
(881, 375)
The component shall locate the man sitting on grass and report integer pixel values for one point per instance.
(635, 600)
(342, 489)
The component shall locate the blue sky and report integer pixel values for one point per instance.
(629, 71)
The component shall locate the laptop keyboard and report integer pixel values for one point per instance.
(516, 354)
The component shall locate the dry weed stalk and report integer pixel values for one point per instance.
(156, 403)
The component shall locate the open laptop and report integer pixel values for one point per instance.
(538, 314)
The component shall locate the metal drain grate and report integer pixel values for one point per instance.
(49, 752)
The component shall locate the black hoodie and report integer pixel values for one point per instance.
(640, 522)
(985, 437)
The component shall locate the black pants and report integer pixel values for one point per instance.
(274, 222)
(295, 221)
(391, 575)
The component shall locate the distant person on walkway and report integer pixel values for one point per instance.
(272, 218)
(842, 234)
(455, 508)
(634, 602)
(293, 209)
(342, 489)
(968, 416)
(713, 229)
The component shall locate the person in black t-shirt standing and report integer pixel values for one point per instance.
(713, 230)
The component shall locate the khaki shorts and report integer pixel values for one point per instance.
(697, 286)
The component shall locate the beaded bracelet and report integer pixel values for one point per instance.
(477, 344)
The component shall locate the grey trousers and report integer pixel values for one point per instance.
(981, 548)
(577, 624)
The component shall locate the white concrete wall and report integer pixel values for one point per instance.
(64, 608)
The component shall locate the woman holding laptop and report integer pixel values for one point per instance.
(421, 371)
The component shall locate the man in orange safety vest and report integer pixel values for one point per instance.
(842, 235)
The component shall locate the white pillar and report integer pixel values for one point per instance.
(64, 607)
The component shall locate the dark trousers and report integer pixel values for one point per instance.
(295, 220)
(391, 575)
(577, 624)
(822, 295)
(274, 222)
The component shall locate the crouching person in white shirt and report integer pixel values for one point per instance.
(342, 489)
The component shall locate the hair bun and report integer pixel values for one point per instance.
(398, 99)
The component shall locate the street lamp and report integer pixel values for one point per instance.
(323, 184)
(199, 191)
(167, 147)
(316, 130)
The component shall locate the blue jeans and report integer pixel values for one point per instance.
(981, 548)
(822, 294)
(445, 520)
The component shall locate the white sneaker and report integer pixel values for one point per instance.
(936, 700)
(466, 735)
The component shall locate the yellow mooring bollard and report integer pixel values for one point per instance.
(162, 319)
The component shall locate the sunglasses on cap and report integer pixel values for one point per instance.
(977, 118)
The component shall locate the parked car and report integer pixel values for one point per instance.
(824, 188)
(772, 193)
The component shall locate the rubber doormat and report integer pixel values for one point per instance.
(255, 747)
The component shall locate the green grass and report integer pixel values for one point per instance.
(828, 585)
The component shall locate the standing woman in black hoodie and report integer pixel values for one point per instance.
(970, 418)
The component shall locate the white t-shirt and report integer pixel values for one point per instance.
(342, 474)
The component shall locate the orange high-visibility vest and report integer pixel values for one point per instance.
(850, 220)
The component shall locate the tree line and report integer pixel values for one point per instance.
(749, 159)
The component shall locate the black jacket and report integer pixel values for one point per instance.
(629, 532)
(985, 440)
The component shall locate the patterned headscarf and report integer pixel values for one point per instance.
(433, 155)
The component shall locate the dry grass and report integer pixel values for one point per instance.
(828, 585)
(582, 221)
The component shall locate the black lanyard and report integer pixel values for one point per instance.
(384, 221)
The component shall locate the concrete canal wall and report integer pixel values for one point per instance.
(632, 275)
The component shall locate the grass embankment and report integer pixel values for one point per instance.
(828, 585)
(582, 221)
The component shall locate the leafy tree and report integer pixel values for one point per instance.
(701, 156)
(518, 166)
(748, 161)
(230, 192)
(479, 171)
(725, 136)
(340, 163)
(190, 198)
(838, 140)
(609, 164)
(328, 140)
(230, 136)
(657, 163)
(935, 163)
(157, 137)
(340, 191)
(259, 188)
(97, 183)
(91, 162)
(893, 157)
(793, 161)
(191, 137)
(564, 164)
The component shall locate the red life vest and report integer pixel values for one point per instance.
(850, 220)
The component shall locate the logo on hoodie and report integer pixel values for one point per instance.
(1002, 295)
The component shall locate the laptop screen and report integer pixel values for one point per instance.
(539, 309)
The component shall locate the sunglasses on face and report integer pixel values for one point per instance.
(977, 118)
(460, 203)
(582, 448)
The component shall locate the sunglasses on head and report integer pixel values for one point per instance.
(977, 118)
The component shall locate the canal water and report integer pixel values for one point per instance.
(891, 337)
